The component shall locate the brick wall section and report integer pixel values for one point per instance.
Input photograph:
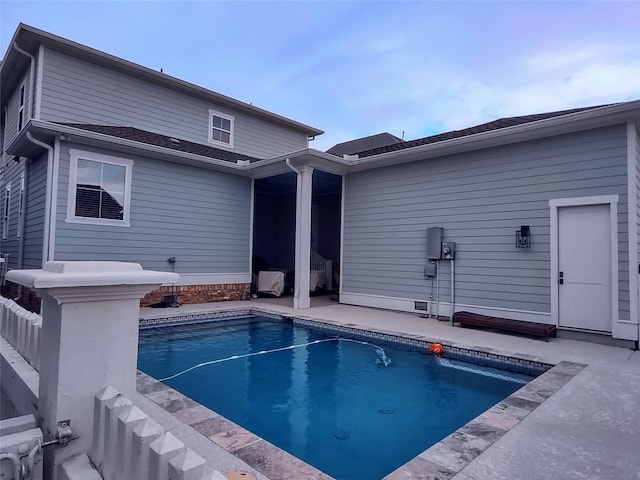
(186, 294)
(200, 293)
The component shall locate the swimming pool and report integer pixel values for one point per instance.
(331, 402)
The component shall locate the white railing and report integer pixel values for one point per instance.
(21, 329)
(129, 444)
(318, 262)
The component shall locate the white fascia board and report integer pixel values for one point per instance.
(597, 117)
(259, 169)
(299, 158)
(81, 136)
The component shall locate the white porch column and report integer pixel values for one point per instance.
(303, 237)
(90, 313)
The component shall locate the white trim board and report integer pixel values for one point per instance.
(342, 207)
(632, 215)
(38, 92)
(408, 305)
(252, 213)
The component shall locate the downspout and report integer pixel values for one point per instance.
(23, 216)
(296, 286)
(32, 73)
(49, 195)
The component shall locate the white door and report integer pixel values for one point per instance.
(584, 259)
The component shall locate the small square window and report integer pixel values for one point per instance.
(220, 128)
(99, 189)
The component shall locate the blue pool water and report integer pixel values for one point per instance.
(333, 403)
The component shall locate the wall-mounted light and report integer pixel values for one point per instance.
(523, 237)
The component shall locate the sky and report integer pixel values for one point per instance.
(355, 69)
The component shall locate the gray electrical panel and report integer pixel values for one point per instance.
(434, 242)
(430, 269)
(448, 250)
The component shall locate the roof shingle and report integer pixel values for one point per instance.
(173, 143)
(485, 127)
(365, 143)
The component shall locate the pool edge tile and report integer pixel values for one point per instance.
(442, 461)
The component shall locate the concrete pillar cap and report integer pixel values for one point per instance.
(62, 274)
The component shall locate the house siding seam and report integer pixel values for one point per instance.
(480, 198)
(76, 91)
(199, 216)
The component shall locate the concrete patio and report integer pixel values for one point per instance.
(589, 429)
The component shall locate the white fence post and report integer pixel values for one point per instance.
(89, 339)
(99, 436)
(113, 408)
(187, 465)
(143, 435)
(21, 329)
(163, 449)
(127, 421)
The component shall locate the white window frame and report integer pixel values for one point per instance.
(6, 211)
(20, 207)
(22, 100)
(214, 113)
(73, 187)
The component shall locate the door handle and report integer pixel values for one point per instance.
(561, 278)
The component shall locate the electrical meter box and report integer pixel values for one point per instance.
(434, 241)
(448, 250)
(430, 269)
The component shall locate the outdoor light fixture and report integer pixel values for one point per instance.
(523, 236)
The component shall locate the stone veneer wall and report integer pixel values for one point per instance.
(199, 293)
(186, 294)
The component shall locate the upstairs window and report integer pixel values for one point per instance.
(21, 101)
(99, 189)
(220, 128)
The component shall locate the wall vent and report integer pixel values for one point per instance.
(421, 306)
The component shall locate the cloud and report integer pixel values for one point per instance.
(425, 97)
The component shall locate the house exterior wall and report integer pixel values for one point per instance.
(10, 240)
(76, 91)
(480, 198)
(199, 216)
(34, 220)
(13, 106)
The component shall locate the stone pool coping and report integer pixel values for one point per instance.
(441, 461)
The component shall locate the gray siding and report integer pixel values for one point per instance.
(34, 221)
(199, 216)
(13, 105)
(11, 244)
(75, 91)
(480, 198)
